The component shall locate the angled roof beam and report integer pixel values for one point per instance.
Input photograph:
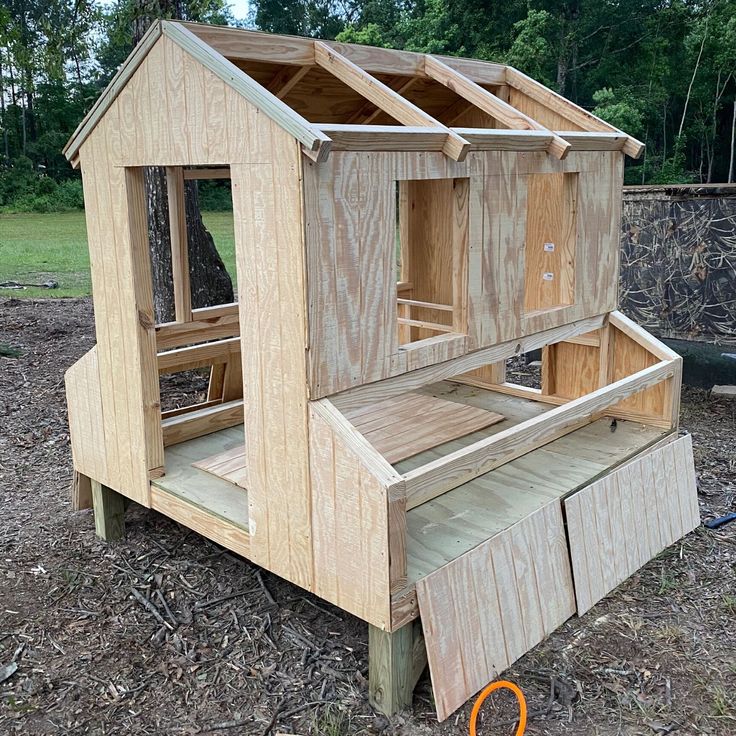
(489, 103)
(110, 93)
(574, 113)
(384, 97)
(369, 112)
(452, 113)
(286, 79)
(315, 143)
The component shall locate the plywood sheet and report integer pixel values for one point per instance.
(406, 425)
(622, 521)
(487, 608)
(228, 465)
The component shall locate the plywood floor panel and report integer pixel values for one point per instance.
(204, 490)
(408, 425)
(228, 465)
(448, 526)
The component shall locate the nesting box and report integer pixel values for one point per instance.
(404, 225)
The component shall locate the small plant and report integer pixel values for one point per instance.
(7, 352)
(729, 604)
(331, 722)
(667, 582)
(722, 703)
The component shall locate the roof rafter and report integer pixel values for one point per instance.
(384, 97)
(489, 103)
(286, 79)
(576, 114)
(369, 112)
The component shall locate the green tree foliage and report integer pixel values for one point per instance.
(663, 71)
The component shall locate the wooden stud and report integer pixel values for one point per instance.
(391, 668)
(450, 471)
(179, 244)
(109, 510)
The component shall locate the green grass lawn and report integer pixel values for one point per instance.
(36, 248)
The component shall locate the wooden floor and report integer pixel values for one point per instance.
(442, 529)
(200, 488)
(456, 522)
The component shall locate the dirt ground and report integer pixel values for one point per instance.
(229, 649)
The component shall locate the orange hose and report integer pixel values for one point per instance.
(515, 689)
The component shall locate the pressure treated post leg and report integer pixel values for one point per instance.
(391, 668)
(109, 509)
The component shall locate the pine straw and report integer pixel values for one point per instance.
(166, 633)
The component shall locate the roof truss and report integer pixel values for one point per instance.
(224, 50)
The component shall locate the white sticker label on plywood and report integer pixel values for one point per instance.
(548, 276)
(549, 247)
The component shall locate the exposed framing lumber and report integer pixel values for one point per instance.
(369, 112)
(314, 141)
(455, 111)
(244, 45)
(198, 356)
(444, 474)
(382, 470)
(570, 110)
(361, 395)
(384, 137)
(491, 139)
(207, 173)
(384, 97)
(193, 424)
(208, 525)
(391, 670)
(179, 244)
(621, 322)
(177, 334)
(109, 511)
(489, 103)
(427, 305)
(434, 326)
(286, 79)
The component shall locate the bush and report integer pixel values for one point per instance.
(24, 190)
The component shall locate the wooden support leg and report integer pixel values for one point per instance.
(395, 663)
(109, 508)
(81, 491)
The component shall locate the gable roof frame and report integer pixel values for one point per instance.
(298, 55)
(314, 142)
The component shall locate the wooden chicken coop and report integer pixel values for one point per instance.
(404, 225)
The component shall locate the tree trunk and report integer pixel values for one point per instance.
(210, 281)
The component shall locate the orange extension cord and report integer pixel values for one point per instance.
(515, 689)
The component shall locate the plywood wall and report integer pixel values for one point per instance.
(271, 289)
(173, 111)
(351, 237)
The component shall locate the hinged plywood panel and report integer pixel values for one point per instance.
(490, 606)
(622, 521)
